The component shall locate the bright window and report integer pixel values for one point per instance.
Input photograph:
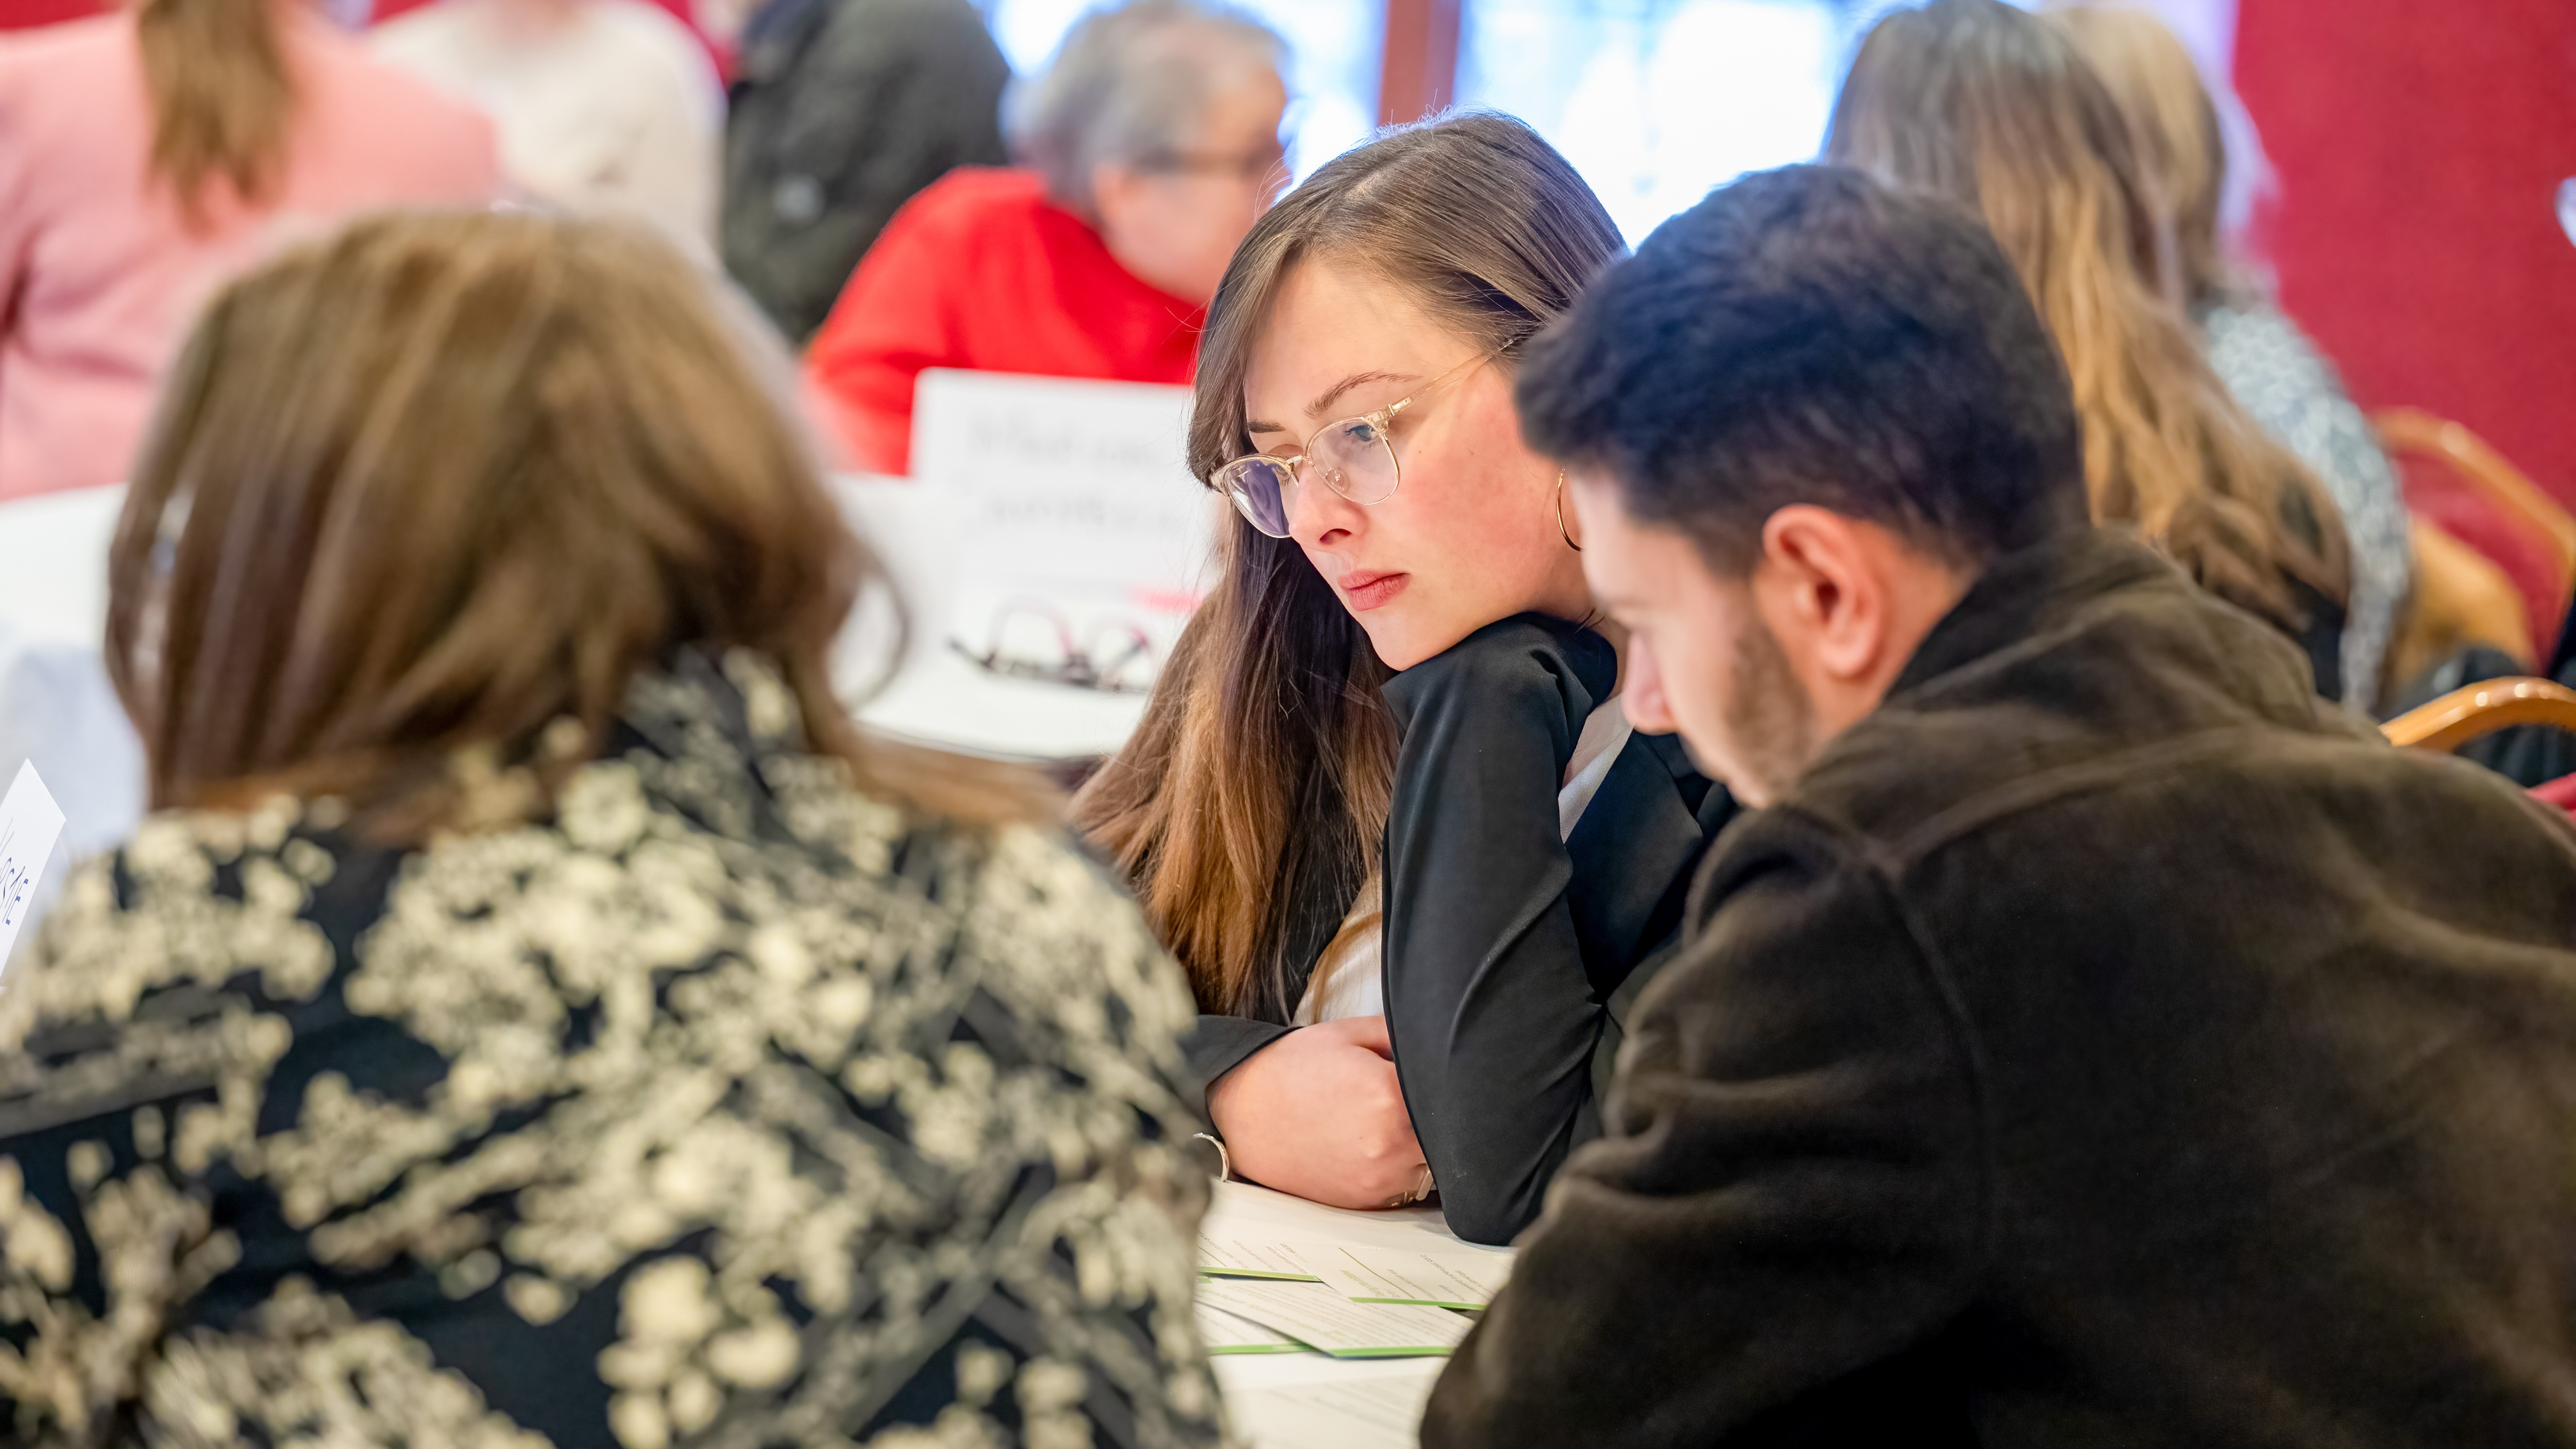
(1657, 101)
(1333, 47)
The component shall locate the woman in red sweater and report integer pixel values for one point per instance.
(1151, 145)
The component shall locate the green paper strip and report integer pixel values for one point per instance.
(1426, 1303)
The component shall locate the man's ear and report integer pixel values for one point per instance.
(1819, 581)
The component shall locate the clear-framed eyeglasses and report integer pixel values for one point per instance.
(1118, 659)
(1354, 457)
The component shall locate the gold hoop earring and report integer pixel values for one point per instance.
(1560, 513)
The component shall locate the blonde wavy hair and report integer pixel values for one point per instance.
(2173, 124)
(1994, 108)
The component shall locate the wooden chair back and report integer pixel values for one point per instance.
(2505, 515)
(2459, 599)
(2479, 709)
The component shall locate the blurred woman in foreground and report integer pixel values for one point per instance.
(532, 1015)
(148, 153)
(1151, 142)
(1989, 106)
(2268, 364)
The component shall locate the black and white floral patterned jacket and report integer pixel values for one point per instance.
(726, 1107)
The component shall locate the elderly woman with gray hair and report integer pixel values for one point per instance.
(1148, 148)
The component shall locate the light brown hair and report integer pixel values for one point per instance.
(1980, 102)
(2173, 122)
(420, 492)
(223, 97)
(1248, 810)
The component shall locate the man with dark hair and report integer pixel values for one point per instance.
(2094, 1039)
(1819, 340)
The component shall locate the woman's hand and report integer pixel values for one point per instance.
(1319, 1113)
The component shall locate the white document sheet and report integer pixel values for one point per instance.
(1320, 1318)
(1244, 1256)
(1463, 1277)
(1225, 1332)
(1373, 1413)
(1244, 1210)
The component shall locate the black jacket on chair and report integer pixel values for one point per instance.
(841, 111)
(1510, 954)
(2106, 1033)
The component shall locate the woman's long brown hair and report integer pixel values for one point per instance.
(419, 493)
(1983, 103)
(2182, 148)
(1249, 808)
(223, 97)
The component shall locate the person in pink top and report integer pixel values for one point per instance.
(148, 154)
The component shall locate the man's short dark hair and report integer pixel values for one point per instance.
(1808, 335)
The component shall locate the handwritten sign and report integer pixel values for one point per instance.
(1084, 539)
(30, 822)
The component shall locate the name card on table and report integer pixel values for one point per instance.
(29, 824)
(1085, 542)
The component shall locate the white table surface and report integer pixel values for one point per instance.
(53, 563)
(1274, 1398)
(56, 705)
(939, 697)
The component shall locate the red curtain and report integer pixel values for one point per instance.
(2420, 150)
(20, 14)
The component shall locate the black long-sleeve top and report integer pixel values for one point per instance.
(1509, 953)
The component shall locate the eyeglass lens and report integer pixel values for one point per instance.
(1352, 458)
(1261, 490)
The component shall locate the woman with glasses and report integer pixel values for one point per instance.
(1149, 146)
(1385, 804)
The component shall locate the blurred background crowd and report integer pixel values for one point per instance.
(501, 526)
(1051, 187)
